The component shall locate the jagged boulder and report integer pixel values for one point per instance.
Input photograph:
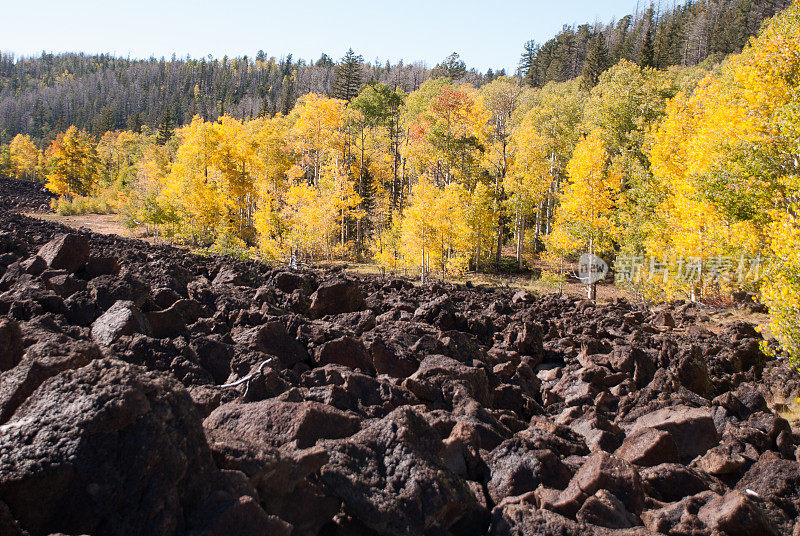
(108, 448)
(390, 476)
(272, 443)
(692, 429)
(68, 252)
(10, 344)
(122, 318)
(336, 296)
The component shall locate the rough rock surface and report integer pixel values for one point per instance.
(367, 406)
(24, 196)
(108, 448)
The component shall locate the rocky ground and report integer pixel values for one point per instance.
(367, 406)
(24, 196)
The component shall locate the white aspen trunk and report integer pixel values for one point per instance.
(521, 241)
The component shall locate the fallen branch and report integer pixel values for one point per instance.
(247, 378)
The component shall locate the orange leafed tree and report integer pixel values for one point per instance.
(73, 163)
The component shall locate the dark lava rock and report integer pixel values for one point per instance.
(777, 482)
(605, 510)
(392, 466)
(392, 408)
(52, 354)
(521, 518)
(600, 471)
(268, 441)
(24, 196)
(736, 515)
(272, 338)
(692, 429)
(679, 518)
(10, 344)
(288, 282)
(336, 296)
(439, 378)
(649, 446)
(274, 422)
(97, 266)
(672, 481)
(68, 252)
(107, 449)
(174, 319)
(345, 351)
(515, 467)
(123, 318)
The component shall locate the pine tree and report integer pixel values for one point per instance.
(349, 76)
(452, 67)
(647, 57)
(527, 63)
(135, 122)
(596, 62)
(166, 129)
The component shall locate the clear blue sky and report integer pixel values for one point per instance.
(486, 33)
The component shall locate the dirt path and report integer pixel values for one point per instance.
(98, 223)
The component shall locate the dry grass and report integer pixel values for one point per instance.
(788, 410)
(605, 292)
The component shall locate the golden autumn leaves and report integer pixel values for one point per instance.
(728, 156)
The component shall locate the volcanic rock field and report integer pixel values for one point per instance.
(148, 391)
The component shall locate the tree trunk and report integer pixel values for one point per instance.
(499, 249)
(592, 291)
(592, 285)
(521, 241)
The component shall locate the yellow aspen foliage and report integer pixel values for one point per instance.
(483, 220)
(193, 183)
(728, 154)
(237, 163)
(108, 152)
(502, 99)
(586, 215)
(435, 232)
(626, 101)
(688, 229)
(271, 136)
(311, 224)
(73, 163)
(339, 197)
(317, 131)
(24, 157)
(781, 292)
(151, 165)
(585, 221)
(531, 171)
(272, 184)
(543, 142)
(387, 247)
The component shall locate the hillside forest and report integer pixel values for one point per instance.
(681, 173)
